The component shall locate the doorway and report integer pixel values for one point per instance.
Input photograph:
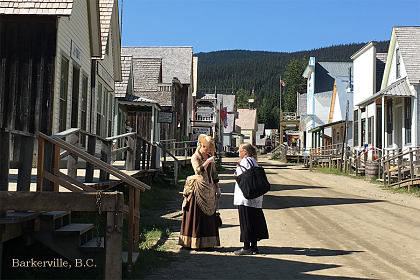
(398, 126)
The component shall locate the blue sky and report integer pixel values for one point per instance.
(266, 25)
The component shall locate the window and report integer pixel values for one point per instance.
(84, 103)
(64, 80)
(104, 111)
(389, 121)
(363, 124)
(370, 130)
(110, 104)
(407, 120)
(99, 109)
(356, 128)
(75, 97)
(398, 63)
(83, 115)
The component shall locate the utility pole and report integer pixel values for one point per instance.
(280, 117)
(344, 135)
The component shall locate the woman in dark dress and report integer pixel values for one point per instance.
(251, 217)
(198, 227)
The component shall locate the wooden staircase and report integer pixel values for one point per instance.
(46, 214)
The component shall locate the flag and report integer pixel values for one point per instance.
(223, 116)
(283, 84)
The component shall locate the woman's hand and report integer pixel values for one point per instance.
(208, 161)
(218, 192)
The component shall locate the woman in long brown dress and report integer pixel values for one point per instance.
(198, 227)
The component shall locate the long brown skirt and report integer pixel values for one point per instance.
(197, 229)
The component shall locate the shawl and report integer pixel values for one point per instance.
(201, 185)
(204, 194)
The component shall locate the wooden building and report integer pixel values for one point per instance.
(165, 75)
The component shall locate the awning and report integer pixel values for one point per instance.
(318, 128)
(399, 88)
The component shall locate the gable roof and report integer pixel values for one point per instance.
(105, 8)
(247, 119)
(229, 102)
(126, 70)
(408, 38)
(326, 72)
(176, 61)
(146, 74)
(380, 68)
(36, 7)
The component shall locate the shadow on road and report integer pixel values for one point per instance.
(225, 265)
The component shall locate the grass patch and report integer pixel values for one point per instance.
(335, 171)
(413, 190)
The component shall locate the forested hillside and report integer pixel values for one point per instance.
(240, 71)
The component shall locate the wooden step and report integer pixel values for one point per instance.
(75, 228)
(92, 245)
(54, 214)
(125, 257)
(14, 217)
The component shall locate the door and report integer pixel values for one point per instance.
(398, 126)
(75, 97)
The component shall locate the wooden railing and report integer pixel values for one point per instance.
(401, 168)
(58, 178)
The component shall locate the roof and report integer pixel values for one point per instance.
(326, 72)
(247, 118)
(105, 10)
(318, 128)
(398, 88)
(229, 102)
(380, 68)
(176, 61)
(36, 7)
(302, 100)
(408, 38)
(126, 67)
(146, 74)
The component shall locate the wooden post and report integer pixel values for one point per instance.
(56, 164)
(149, 162)
(130, 227)
(132, 152)
(73, 139)
(154, 160)
(411, 168)
(48, 166)
(5, 160)
(136, 220)
(310, 161)
(40, 165)
(25, 163)
(185, 150)
(113, 241)
(399, 162)
(91, 145)
(143, 155)
(106, 149)
(176, 171)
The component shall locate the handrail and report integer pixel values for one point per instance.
(170, 154)
(111, 138)
(96, 162)
(402, 153)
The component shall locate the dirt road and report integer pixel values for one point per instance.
(321, 227)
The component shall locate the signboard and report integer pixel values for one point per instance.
(105, 75)
(165, 117)
(197, 130)
(76, 53)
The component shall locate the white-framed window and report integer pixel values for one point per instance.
(64, 82)
(398, 63)
(407, 120)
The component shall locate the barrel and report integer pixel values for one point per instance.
(371, 170)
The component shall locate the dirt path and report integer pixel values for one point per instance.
(321, 227)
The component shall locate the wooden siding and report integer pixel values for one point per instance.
(74, 28)
(26, 67)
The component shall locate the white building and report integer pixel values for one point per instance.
(397, 100)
